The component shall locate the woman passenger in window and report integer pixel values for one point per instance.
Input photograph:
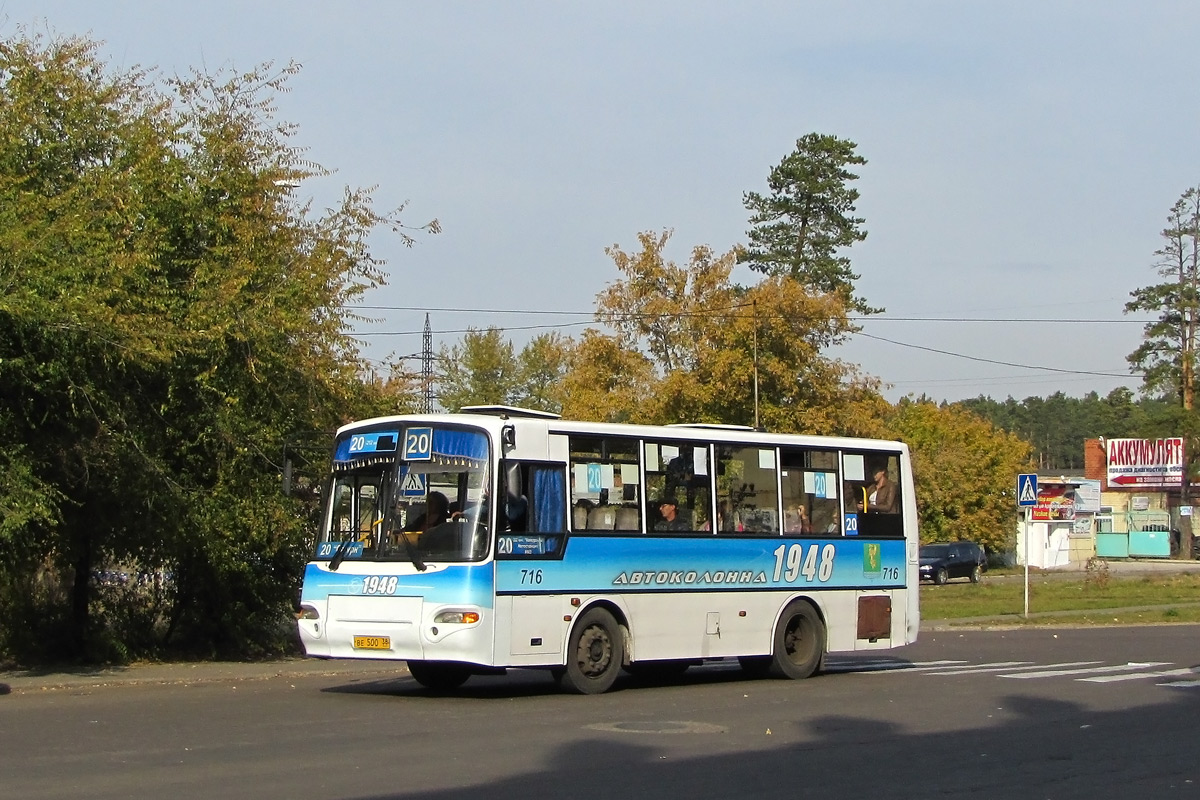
(437, 511)
(796, 519)
(881, 495)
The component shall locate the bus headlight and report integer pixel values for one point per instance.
(457, 617)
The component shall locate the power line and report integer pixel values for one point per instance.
(996, 380)
(992, 360)
(713, 312)
(591, 315)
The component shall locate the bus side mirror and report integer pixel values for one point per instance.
(515, 504)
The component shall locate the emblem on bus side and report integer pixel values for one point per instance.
(872, 558)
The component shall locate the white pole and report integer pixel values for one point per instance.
(1025, 517)
(756, 365)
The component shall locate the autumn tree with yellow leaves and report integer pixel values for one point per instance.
(687, 344)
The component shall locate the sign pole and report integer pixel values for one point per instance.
(1027, 492)
(1025, 516)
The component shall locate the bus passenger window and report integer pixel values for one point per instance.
(747, 497)
(872, 484)
(605, 482)
(809, 485)
(678, 472)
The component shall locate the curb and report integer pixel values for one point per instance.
(17, 681)
(1021, 621)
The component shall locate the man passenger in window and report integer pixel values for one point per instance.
(881, 495)
(670, 516)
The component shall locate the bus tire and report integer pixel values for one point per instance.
(594, 653)
(439, 676)
(799, 644)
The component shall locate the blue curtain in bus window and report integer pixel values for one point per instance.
(460, 447)
(549, 499)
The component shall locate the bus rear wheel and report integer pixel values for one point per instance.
(438, 675)
(595, 653)
(799, 642)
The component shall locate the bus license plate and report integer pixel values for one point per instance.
(372, 643)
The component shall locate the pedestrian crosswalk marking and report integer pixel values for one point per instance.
(1089, 671)
(1057, 673)
(1167, 673)
(1002, 666)
(995, 665)
(887, 665)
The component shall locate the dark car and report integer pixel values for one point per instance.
(1176, 538)
(945, 560)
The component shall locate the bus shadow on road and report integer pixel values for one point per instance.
(1040, 747)
(517, 683)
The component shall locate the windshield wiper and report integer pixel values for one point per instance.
(413, 555)
(339, 555)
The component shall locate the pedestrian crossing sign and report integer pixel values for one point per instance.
(413, 484)
(1027, 490)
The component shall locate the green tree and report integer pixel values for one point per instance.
(1057, 426)
(484, 368)
(481, 369)
(541, 366)
(799, 229)
(965, 470)
(1166, 358)
(170, 318)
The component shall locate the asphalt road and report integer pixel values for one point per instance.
(1022, 713)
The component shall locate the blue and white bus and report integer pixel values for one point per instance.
(501, 538)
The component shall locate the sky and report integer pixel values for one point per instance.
(1022, 156)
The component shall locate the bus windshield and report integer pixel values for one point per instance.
(425, 502)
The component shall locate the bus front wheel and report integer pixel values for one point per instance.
(438, 676)
(595, 653)
(799, 642)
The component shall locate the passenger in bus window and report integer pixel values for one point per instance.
(880, 495)
(477, 511)
(437, 511)
(725, 521)
(671, 521)
(796, 520)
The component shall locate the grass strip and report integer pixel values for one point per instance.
(1006, 596)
